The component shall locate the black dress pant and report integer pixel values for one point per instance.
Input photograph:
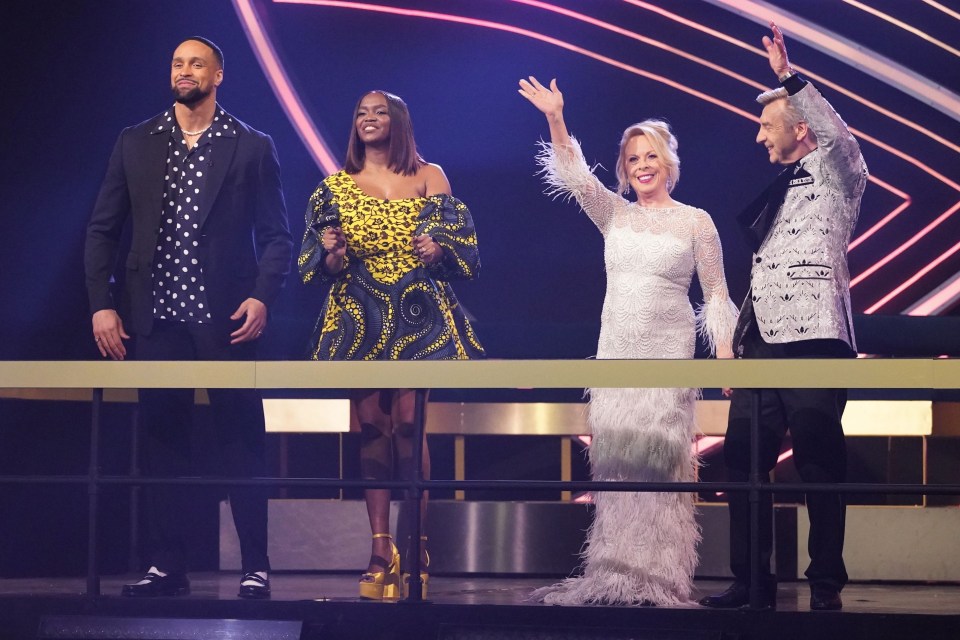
(240, 437)
(813, 418)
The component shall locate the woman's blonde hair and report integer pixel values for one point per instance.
(664, 144)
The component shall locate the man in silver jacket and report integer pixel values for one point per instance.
(798, 306)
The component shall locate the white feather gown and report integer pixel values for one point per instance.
(642, 547)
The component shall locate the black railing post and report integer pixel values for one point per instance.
(414, 593)
(93, 494)
(754, 497)
(133, 557)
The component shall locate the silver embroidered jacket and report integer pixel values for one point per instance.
(799, 281)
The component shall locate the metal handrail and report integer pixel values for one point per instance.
(753, 374)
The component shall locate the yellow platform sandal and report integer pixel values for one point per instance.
(424, 577)
(383, 585)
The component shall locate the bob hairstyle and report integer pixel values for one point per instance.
(402, 157)
(664, 144)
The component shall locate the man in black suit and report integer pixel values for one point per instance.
(798, 306)
(210, 249)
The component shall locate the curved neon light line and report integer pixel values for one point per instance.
(849, 53)
(903, 25)
(282, 88)
(499, 26)
(889, 217)
(807, 72)
(896, 152)
(649, 41)
(596, 56)
(949, 12)
(630, 34)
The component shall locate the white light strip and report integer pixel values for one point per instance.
(938, 301)
(949, 12)
(903, 25)
(849, 52)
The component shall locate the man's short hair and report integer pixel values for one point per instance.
(767, 97)
(216, 50)
(791, 115)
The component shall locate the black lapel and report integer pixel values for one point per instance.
(757, 218)
(147, 170)
(218, 166)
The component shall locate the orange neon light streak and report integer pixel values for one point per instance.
(876, 227)
(906, 245)
(807, 72)
(919, 274)
(903, 25)
(946, 10)
(890, 149)
(295, 110)
(498, 26)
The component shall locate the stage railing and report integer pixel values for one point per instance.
(929, 374)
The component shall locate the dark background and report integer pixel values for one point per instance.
(76, 73)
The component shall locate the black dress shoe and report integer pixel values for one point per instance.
(738, 595)
(153, 584)
(258, 588)
(825, 597)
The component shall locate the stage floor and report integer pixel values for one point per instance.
(494, 607)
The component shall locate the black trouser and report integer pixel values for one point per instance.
(819, 451)
(240, 437)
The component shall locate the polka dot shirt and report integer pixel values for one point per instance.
(179, 292)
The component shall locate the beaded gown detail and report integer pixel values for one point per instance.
(642, 547)
(385, 304)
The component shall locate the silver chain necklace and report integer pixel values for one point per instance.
(194, 133)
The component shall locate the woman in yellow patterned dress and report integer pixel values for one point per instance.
(387, 235)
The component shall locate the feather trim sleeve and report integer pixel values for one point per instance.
(717, 316)
(716, 321)
(322, 213)
(567, 176)
(448, 221)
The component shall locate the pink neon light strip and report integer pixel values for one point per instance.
(886, 219)
(649, 41)
(949, 12)
(757, 85)
(903, 25)
(565, 45)
(906, 245)
(876, 227)
(808, 73)
(497, 26)
(910, 281)
(896, 152)
(850, 53)
(282, 88)
(856, 242)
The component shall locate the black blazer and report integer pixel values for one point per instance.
(245, 246)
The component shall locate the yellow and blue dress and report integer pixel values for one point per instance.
(385, 304)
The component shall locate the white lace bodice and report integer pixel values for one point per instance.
(650, 256)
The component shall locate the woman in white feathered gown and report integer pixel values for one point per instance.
(642, 547)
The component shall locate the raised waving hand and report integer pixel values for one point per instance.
(549, 101)
(777, 51)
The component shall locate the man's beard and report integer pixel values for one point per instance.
(191, 97)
